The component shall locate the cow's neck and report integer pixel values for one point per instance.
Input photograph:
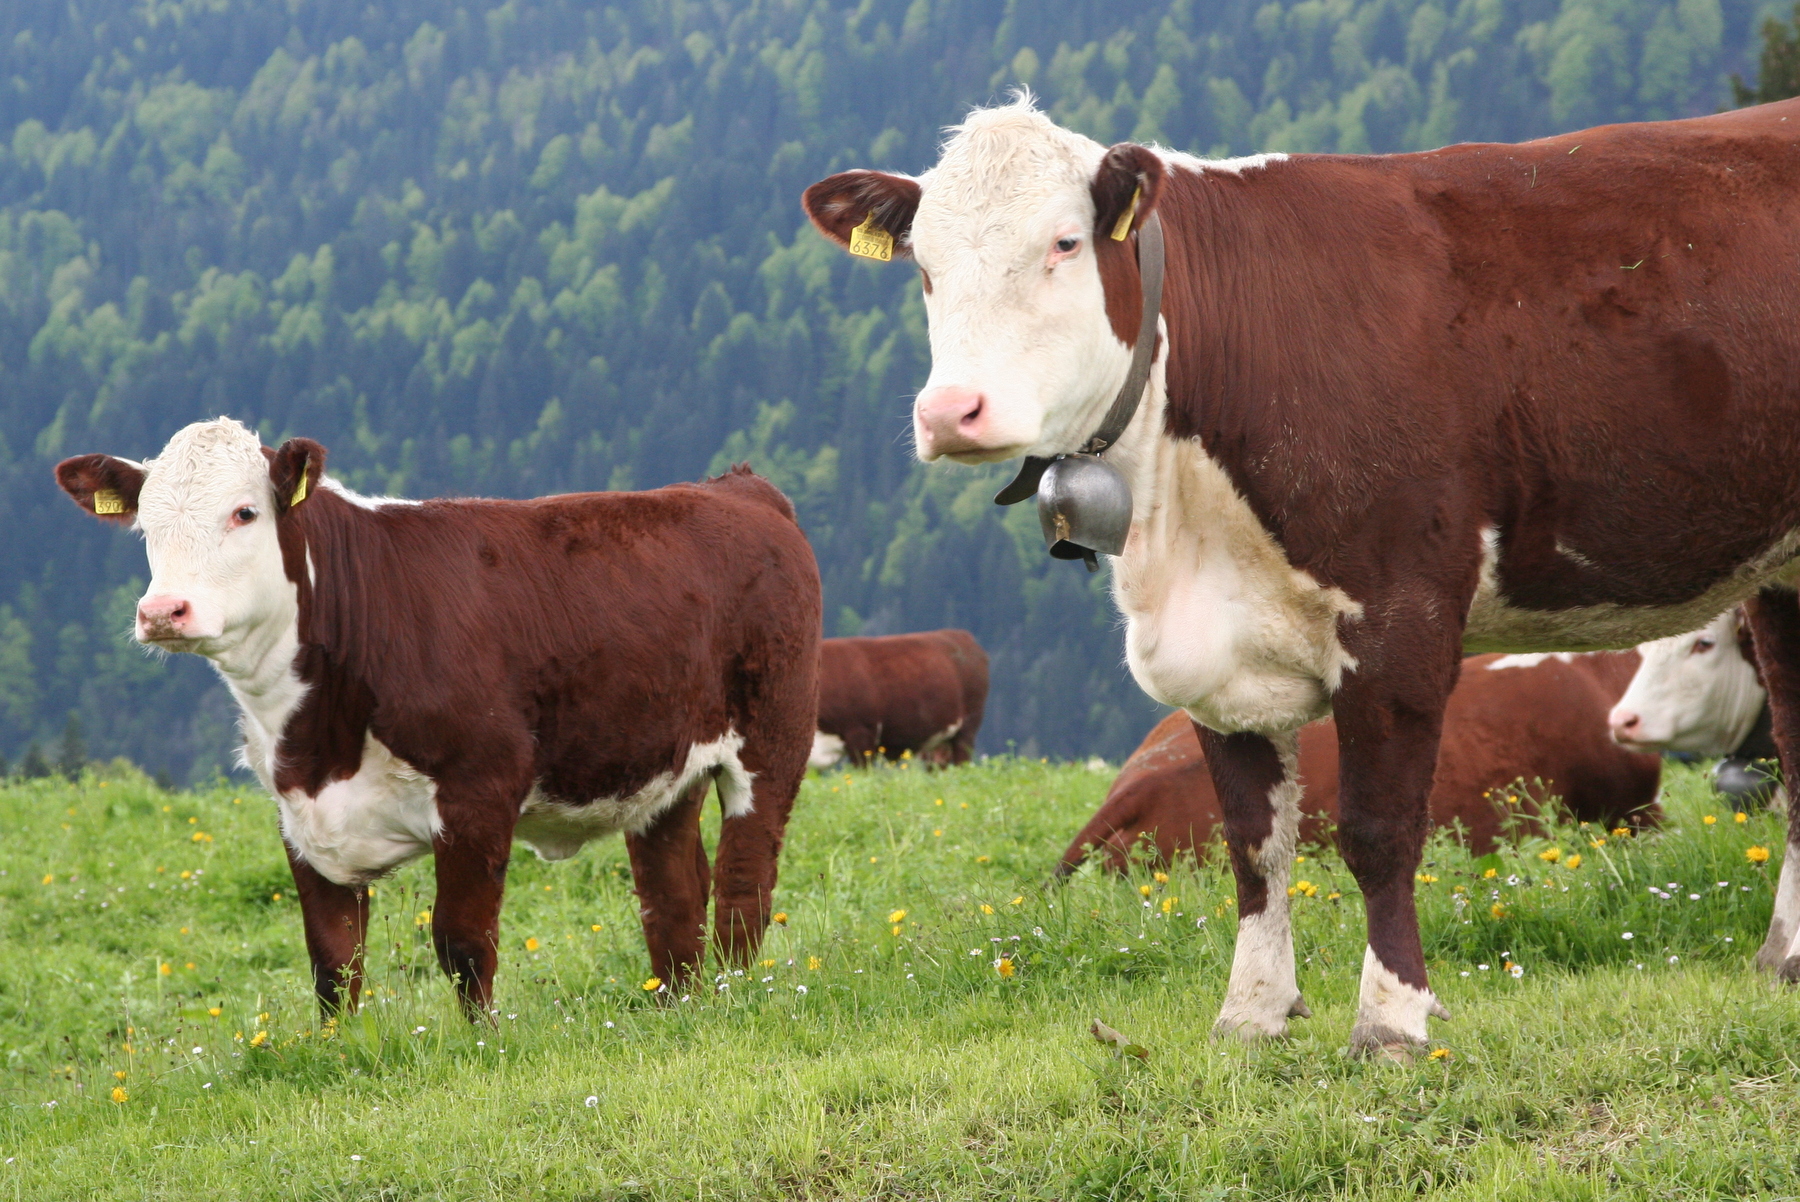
(261, 675)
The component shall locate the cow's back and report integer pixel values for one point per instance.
(882, 694)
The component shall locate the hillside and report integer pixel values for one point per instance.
(542, 245)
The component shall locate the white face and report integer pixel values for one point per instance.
(1694, 692)
(1023, 358)
(207, 514)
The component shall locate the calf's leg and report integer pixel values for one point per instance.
(1258, 782)
(1774, 617)
(465, 918)
(747, 860)
(668, 867)
(1387, 752)
(336, 918)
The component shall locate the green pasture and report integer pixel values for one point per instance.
(151, 946)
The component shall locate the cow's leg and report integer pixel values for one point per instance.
(1258, 782)
(336, 918)
(1774, 617)
(472, 853)
(745, 866)
(1387, 752)
(668, 866)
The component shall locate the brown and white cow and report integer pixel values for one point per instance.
(891, 695)
(1695, 692)
(445, 676)
(1511, 718)
(1488, 398)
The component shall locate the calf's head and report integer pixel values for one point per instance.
(1695, 692)
(1022, 236)
(208, 507)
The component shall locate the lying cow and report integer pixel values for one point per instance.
(1400, 407)
(445, 676)
(1700, 693)
(1510, 718)
(896, 694)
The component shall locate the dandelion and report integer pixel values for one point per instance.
(1332, 896)
(185, 874)
(1425, 878)
(119, 1074)
(591, 1102)
(1497, 910)
(1621, 832)
(1004, 966)
(938, 833)
(48, 877)
(1169, 903)
(1757, 855)
(1161, 878)
(1740, 818)
(215, 1011)
(277, 896)
(258, 1039)
(184, 930)
(1490, 874)
(981, 859)
(800, 989)
(1573, 861)
(1550, 855)
(163, 970)
(119, 1094)
(814, 964)
(1709, 820)
(190, 966)
(652, 984)
(202, 837)
(768, 963)
(938, 802)
(1017, 901)
(874, 859)
(986, 909)
(594, 927)
(894, 930)
(896, 916)
(1144, 890)
(780, 918)
(1440, 1053)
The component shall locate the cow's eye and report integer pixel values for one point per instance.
(1067, 245)
(244, 516)
(1702, 645)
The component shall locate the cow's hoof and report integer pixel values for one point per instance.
(1773, 954)
(1789, 971)
(1248, 1030)
(1370, 1041)
(1299, 1009)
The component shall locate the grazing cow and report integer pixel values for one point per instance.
(445, 676)
(1510, 718)
(1540, 397)
(1699, 693)
(898, 693)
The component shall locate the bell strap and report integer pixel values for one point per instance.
(1131, 394)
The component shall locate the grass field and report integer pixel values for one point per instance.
(161, 1042)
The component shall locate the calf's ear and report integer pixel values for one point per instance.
(295, 470)
(1125, 189)
(868, 213)
(103, 485)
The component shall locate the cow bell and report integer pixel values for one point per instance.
(1084, 507)
(1746, 783)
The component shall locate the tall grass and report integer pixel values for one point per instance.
(939, 1053)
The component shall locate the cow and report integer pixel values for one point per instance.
(900, 695)
(1516, 398)
(446, 676)
(1539, 721)
(1699, 694)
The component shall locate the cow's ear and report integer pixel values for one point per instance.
(104, 486)
(868, 213)
(1126, 189)
(1746, 643)
(295, 470)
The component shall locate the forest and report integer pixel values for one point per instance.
(515, 248)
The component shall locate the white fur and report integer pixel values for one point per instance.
(1531, 660)
(1783, 942)
(357, 499)
(1694, 692)
(1263, 993)
(556, 828)
(357, 829)
(1495, 625)
(826, 750)
(1389, 1011)
(937, 740)
(1237, 166)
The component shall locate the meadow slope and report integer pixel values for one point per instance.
(150, 952)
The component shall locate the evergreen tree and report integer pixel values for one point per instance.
(1778, 75)
(72, 755)
(34, 766)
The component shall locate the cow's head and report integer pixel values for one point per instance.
(1695, 692)
(1032, 301)
(207, 507)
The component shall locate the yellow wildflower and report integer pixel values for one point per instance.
(1440, 1053)
(1144, 889)
(1757, 854)
(1573, 861)
(48, 877)
(422, 918)
(119, 1074)
(874, 859)
(1597, 844)
(1161, 878)
(595, 927)
(1168, 904)
(163, 970)
(202, 837)
(780, 917)
(1740, 818)
(215, 1011)
(938, 802)
(1621, 832)
(814, 964)
(1333, 895)
(1299, 859)
(1709, 820)
(1017, 901)
(277, 896)
(767, 963)
(1005, 967)
(897, 916)
(1425, 878)
(1497, 910)
(937, 834)
(1490, 874)
(652, 984)
(986, 909)
(119, 1094)
(258, 1039)
(190, 966)
(186, 875)
(894, 930)
(981, 859)
(531, 945)
(263, 1017)
(1550, 855)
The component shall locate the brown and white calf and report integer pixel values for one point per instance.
(921, 694)
(1531, 718)
(446, 676)
(1697, 693)
(1488, 398)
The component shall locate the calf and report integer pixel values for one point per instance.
(921, 694)
(1391, 409)
(1510, 718)
(445, 676)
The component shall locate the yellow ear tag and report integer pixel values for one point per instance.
(108, 501)
(299, 491)
(870, 241)
(1123, 225)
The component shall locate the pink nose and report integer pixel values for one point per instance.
(164, 618)
(951, 420)
(1625, 724)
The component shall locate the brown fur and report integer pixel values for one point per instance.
(893, 694)
(1545, 723)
